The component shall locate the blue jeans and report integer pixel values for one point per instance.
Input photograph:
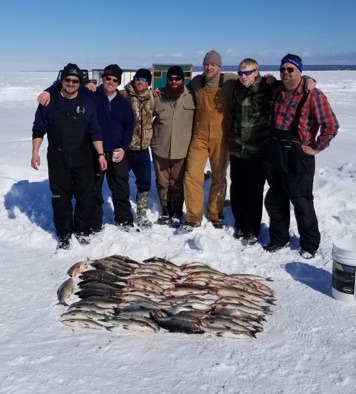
(140, 164)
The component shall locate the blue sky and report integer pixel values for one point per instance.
(47, 34)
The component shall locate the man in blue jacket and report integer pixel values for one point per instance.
(115, 117)
(70, 123)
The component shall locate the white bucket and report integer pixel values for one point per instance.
(344, 268)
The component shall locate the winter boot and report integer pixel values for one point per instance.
(142, 204)
(175, 221)
(164, 218)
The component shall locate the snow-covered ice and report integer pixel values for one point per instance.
(308, 343)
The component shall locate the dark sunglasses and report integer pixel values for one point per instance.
(247, 73)
(288, 69)
(115, 80)
(141, 79)
(176, 79)
(70, 80)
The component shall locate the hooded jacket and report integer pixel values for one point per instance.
(142, 107)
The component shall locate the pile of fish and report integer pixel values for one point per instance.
(118, 293)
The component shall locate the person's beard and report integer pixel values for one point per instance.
(174, 93)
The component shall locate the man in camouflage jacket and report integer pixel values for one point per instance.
(138, 156)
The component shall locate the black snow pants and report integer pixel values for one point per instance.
(71, 174)
(290, 175)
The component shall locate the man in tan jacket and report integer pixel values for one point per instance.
(172, 131)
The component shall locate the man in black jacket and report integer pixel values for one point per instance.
(71, 125)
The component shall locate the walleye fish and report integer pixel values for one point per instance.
(250, 324)
(245, 294)
(255, 285)
(228, 333)
(174, 310)
(80, 267)
(120, 265)
(182, 292)
(132, 324)
(202, 275)
(141, 284)
(97, 274)
(241, 307)
(237, 313)
(87, 293)
(225, 322)
(124, 260)
(160, 272)
(134, 298)
(193, 316)
(152, 279)
(159, 275)
(198, 282)
(103, 302)
(139, 313)
(197, 264)
(82, 323)
(112, 268)
(83, 314)
(87, 306)
(164, 261)
(202, 270)
(105, 286)
(191, 298)
(138, 305)
(177, 324)
(132, 316)
(65, 290)
(242, 301)
(250, 277)
(197, 305)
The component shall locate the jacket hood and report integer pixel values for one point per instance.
(130, 90)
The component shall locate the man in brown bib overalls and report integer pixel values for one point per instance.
(209, 141)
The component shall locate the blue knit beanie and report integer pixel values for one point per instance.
(293, 59)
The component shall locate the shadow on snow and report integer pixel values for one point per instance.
(34, 200)
(316, 278)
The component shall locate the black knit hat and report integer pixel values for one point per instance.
(143, 73)
(175, 71)
(113, 70)
(71, 69)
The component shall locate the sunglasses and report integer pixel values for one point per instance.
(109, 79)
(247, 73)
(141, 79)
(288, 69)
(70, 80)
(174, 79)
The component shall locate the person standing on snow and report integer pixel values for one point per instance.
(302, 125)
(70, 122)
(209, 141)
(138, 156)
(172, 132)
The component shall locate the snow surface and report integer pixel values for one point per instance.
(308, 343)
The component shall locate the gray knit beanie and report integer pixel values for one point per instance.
(213, 57)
